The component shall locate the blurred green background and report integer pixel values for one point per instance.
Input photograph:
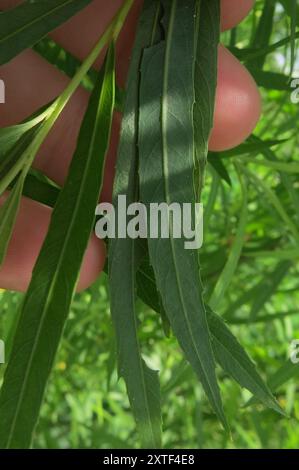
(85, 405)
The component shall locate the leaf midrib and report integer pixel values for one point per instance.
(141, 368)
(54, 279)
(138, 347)
(36, 20)
(166, 182)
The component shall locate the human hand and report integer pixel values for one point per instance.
(31, 82)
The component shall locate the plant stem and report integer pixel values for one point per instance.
(59, 104)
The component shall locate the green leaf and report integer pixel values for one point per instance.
(147, 291)
(264, 30)
(210, 205)
(250, 54)
(270, 80)
(249, 147)
(268, 288)
(53, 111)
(286, 372)
(263, 318)
(286, 167)
(27, 23)
(260, 293)
(55, 274)
(286, 254)
(270, 155)
(264, 188)
(218, 165)
(169, 152)
(229, 270)
(292, 9)
(206, 41)
(40, 189)
(9, 136)
(227, 350)
(8, 214)
(13, 158)
(14, 142)
(69, 64)
(235, 362)
(142, 383)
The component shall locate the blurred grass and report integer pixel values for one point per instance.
(85, 404)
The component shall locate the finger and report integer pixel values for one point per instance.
(24, 247)
(238, 104)
(55, 155)
(79, 34)
(29, 72)
(30, 83)
(88, 26)
(234, 11)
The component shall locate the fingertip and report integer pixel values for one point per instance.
(27, 239)
(93, 263)
(234, 11)
(238, 104)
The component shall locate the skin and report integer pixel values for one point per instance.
(31, 82)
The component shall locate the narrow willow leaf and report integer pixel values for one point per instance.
(229, 270)
(292, 9)
(286, 372)
(205, 79)
(9, 136)
(53, 111)
(220, 168)
(167, 163)
(69, 64)
(147, 291)
(251, 147)
(286, 167)
(55, 274)
(275, 202)
(8, 214)
(248, 55)
(289, 8)
(270, 80)
(268, 287)
(227, 350)
(235, 362)
(287, 181)
(142, 383)
(146, 285)
(209, 207)
(24, 25)
(291, 254)
(39, 188)
(264, 30)
(13, 157)
(263, 318)
(182, 373)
